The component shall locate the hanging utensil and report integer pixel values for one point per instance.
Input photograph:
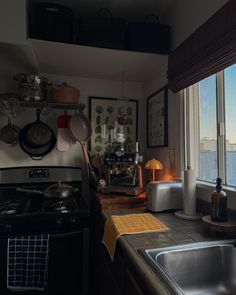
(64, 139)
(81, 131)
(37, 134)
(10, 133)
(37, 139)
(96, 161)
(39, 152)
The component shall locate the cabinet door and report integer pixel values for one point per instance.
(108, 282)
(13, 19)
(131, 285)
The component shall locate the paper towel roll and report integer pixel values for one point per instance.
(189, 191)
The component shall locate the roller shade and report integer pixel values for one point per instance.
(210, 49)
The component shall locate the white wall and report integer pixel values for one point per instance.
(11, 156)
(13, 21)
(173, 125)
(187, 15)
(13, 60)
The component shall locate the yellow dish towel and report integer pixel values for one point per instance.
(115, 226)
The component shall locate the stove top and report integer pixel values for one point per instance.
(37, 205)
(22, 212)
(33, 214)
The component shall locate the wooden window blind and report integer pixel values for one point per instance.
(210, 49)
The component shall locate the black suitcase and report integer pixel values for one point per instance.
(51, 22)
(149, 37)
(107, 32)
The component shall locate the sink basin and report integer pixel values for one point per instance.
(200, 268)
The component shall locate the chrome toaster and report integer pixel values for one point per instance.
(164, 195)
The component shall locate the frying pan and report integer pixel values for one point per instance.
(37, 153)
(36, 134)
(55, 191)
(10, 133)
(81, 131)
(37, 139)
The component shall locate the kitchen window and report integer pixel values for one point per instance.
(210, 126)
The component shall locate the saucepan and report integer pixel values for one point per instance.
(55, 191)
(64, 93)
(81, 131)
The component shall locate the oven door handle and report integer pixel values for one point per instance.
(65, 235)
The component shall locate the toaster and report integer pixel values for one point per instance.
(164, 195)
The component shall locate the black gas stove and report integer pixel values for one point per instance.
(22, 212)
(65, 221)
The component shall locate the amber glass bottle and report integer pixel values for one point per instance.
(219, 203)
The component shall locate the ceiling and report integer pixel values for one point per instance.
(131, 10)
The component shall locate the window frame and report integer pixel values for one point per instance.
(191, 130)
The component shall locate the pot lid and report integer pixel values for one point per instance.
(60, 187)
(64, 85)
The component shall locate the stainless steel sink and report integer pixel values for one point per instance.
(197, 269)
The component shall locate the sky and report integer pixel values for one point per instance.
(230, 101)
(207, 93)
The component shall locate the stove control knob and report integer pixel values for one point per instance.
(74, 220)
(59, 222)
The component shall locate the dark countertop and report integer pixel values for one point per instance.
(180, 232)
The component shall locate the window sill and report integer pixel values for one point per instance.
(208, 185)
(204, 190)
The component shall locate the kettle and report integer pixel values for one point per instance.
(64, 93)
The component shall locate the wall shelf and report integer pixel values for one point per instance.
(94, 62)
(52, 105)
(73, 60)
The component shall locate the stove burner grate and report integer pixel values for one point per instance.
(10, 206)
(60, 206)
(37, 205)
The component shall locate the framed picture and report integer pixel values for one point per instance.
(114, 124)
(157, 118)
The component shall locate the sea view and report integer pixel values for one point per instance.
(208, 166)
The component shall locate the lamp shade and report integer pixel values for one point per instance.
(154, 164)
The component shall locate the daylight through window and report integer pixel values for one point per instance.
(215, 114)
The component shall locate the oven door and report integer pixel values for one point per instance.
(67, 269)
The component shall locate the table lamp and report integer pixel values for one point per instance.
(153, 165)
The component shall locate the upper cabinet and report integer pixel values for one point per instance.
(13, 21)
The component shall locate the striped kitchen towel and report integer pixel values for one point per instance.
(115, 226)
(27, 262)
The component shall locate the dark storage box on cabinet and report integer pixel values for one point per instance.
(51, 22)
(148, 37)
(102, 31)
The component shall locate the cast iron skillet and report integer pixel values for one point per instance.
(39, 152)
(37, 139)
(36, 134)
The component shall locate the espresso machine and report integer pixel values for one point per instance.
(123, 173)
